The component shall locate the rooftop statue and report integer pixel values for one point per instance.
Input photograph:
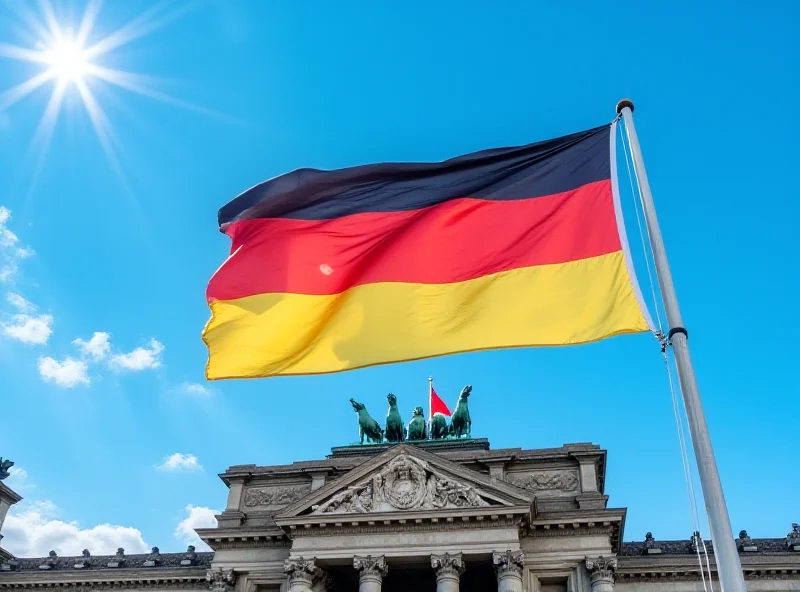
(4, 466)
(417, 428)
(394, 424)
(439, 427)
(461, 424)
(366, 425)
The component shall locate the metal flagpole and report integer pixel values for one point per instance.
(430, 404)
(729, 567)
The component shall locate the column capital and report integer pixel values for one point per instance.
(220, 581)
(601, 569)
(508, 562)
(448, 564)
(370, 567)
(301, 570)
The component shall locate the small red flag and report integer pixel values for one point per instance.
(437, 405)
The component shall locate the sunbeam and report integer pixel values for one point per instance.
(72, 64)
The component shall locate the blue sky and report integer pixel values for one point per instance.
(124, 245)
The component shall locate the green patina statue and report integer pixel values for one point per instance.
(417, 427)
(439, 427)
(366, 425)
(461, 424)
(394, 424)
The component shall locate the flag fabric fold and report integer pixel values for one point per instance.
(437, 405)
(335, 270)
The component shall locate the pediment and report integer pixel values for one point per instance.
(406, 479)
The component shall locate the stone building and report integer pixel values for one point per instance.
(441, 515)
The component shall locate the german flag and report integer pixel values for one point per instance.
(335, 270)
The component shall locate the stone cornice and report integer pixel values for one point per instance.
(399, 521)
(685, 567)
(8, 494)
(416, 525)
(609, 521)
(347, 463)
(100, 579)
(243, 538)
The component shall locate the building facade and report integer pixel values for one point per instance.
(442, 515)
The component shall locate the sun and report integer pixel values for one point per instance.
(67, 60)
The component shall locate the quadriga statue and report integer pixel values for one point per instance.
(417, 428)
(461, 424)
(366, 425)
(394, 424)
(439, 427)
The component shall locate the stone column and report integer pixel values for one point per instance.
(509, 566)
(371, 570)
(448, 571)
(601, 572)
(301, 574)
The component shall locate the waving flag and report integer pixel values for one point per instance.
(437, 405)
(334, 270)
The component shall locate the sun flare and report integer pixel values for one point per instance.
(67, 60)
(69, 63)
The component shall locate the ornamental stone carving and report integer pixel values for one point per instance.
(448, 564)
(546, 482)
(508, 566)
(510, 562)
(301, 572)
(370, 568)
(273, 496)
(220, 581)
(448, 571)
(405, 483)
(601, 572)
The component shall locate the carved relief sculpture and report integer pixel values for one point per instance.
(274, 496)
(566, 481)
(406, 483)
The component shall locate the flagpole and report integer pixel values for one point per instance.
(430, 404)
(729, 566)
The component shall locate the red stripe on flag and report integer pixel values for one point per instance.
(451, 242)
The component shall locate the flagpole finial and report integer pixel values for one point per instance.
(624, 103)
(430, 378)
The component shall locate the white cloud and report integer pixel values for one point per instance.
(67, 373)
(18, 302)
(34, 530)
(142, 358)
(180, 462)
(18, 479)
(29, 328)
(7, 238)
(97, 348)
(197, 517)
(10, 249)
(7, 272)
(196, 390)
